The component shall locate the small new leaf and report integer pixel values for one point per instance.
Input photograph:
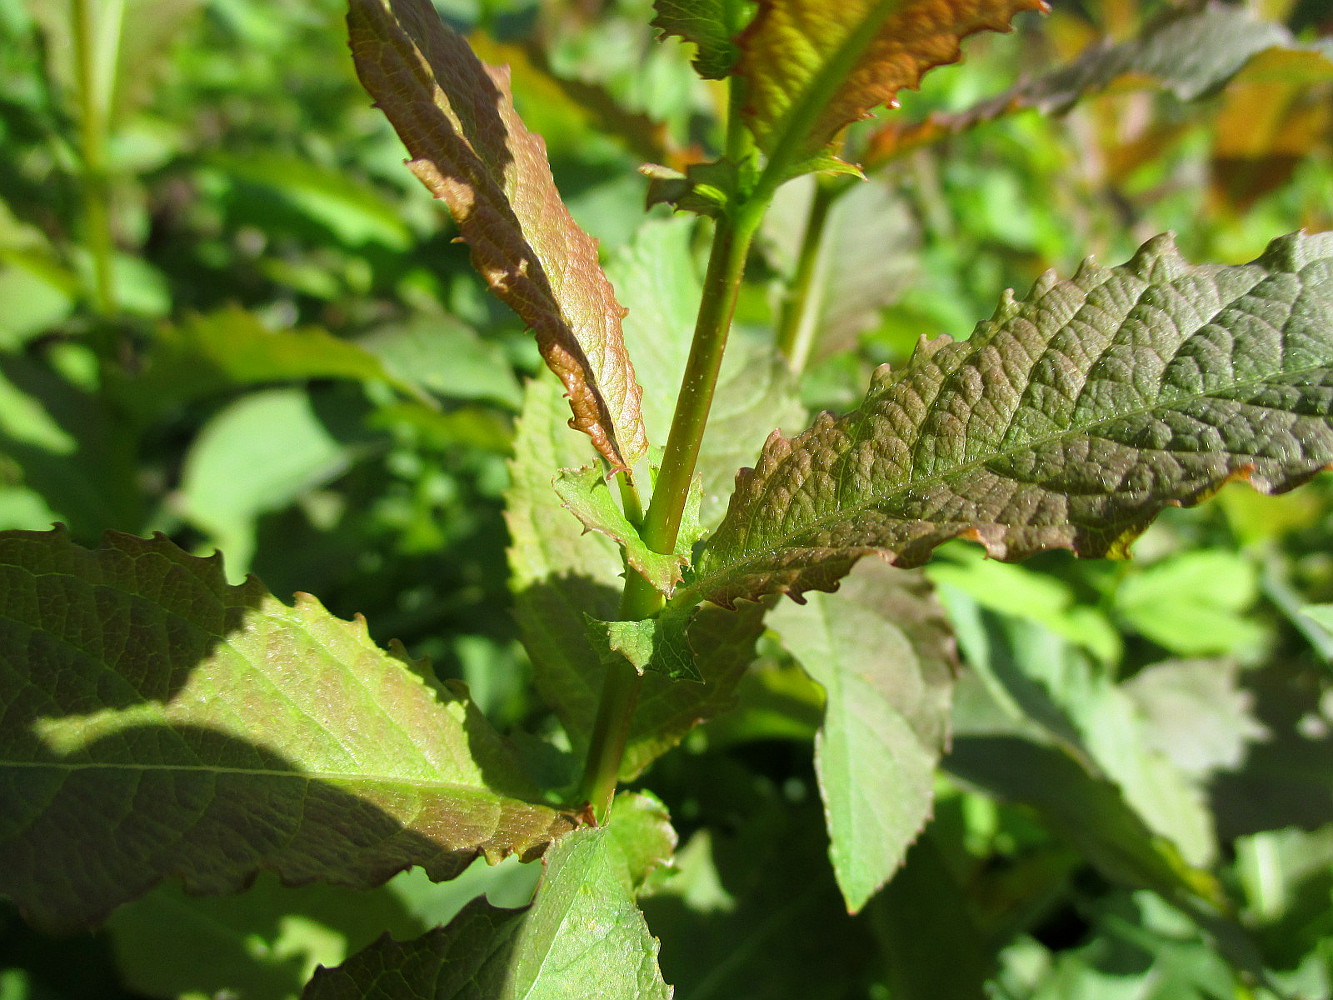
(656, 644)
(705, 23)
(1068, 420)
(456, 116)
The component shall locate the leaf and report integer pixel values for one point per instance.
(209, 354)
(883, 652)
(1068, 420)
(815, 66)
(559, 577)
(705, 23)
(1189, 53)
(585, 494)
(645, 645)
(469, 147)
(1193, 603)
(583, 936)
(208, 732)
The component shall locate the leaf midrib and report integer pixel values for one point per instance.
(698, 589)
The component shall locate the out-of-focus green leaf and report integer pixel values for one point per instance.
(1193, 603)
(1322, 617)
(883, 652)
(583, 935)
(213, 353)
(812, 67)
(1068, 420)
(443, 356)
(1188, 52)
(258, 455)
(470, 148)
(206, 732)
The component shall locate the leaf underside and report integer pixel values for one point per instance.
(815, 66)
(469, 147)
(1068, 420)
(162, 723)
(1189, 53)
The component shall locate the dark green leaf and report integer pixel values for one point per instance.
(206, 732)
(1069, 420)
(706, 24)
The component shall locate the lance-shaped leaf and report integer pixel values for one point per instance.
(161, 723)
(583, 935)
(815, 66)
(883, 653)
(707, 24)
(1189, 53)
(1068, 420)
(456, 116)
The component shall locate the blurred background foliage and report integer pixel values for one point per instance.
(229, 314)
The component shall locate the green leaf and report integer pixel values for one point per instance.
(583, 935)
(883, 652)
(659, 645)
(559, 577)
(1188, 52)
(213, 353)
(1069, 420)
(241, 466)
(585, 494)
(441, 355)
(469, 147)
(815, 66)
(706, 23)
(206, 732)
(1193, 603)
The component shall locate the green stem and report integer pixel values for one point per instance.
(93, 81)
(800, 308)
(661, 524)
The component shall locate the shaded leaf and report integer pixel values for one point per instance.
(559, 577)
(1069, 420)
(646, 645)
(470, 148)
(1187, 52)
(583, 935)
(883, 652)
(206, 732)
(815, 66)
(706, 23)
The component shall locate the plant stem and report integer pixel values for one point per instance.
(92, 95)
(661, 524)
(800, 312)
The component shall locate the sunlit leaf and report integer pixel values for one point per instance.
(1188, 52)
(582, 936)
(883, 653)
(205, 732)
(470, 148)
(815, 66)
(1068, 420)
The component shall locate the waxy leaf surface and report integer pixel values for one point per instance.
(815, 66)
(456, 116)
(706, 24)
(1190, 53)
(883, 653)
(1068, 420)
(161, 723)
(583, 936)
